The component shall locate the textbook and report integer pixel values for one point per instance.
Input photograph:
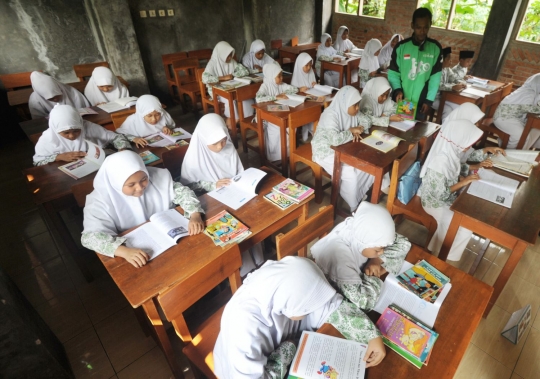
(292, 101)
(403, 125)
(423, 280)
(234, 83)
(292, 190)
(320, 90)
(178, 144)
(476, 92)
(161, 139)
(279, 200)
(224, 229)
(91, 162)
(494, 187)
(119, 104)
(382, 141)
(520, 162)
(148, 157)
(242, 189)
(320, 356)
(277, 108)
(159, 234)
(407, 109)
(86, 111)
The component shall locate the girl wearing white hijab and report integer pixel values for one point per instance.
(325, 52)
(273, 89)
(511, 114)
(273, 306)
(304, 78)
(103, 87)
(126, 193)
(48, 92)
(385, 56)
(343, 44)
(256, 58)
(449, 82)
(358, 251)
(65, 139)
(150, 118)
(377, 104)
(223, 67)
(369, 64)
(442, 170)
(340, 123)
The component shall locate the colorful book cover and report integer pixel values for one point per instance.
(277, 108)
(225, 227)
(279, 200)
(424, 280)
(148, 157)
(407, 109)
(293, 190)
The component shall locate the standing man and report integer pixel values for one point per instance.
(415, 69)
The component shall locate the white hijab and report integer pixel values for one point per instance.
(200, 163)
(340, 44)
(103, 76)
(369, 61)
(370, 95)
(217, 64)
(257, 318)
(109, 211)
(269, 86)
(137, 126)
(528, 93)
(337, 110)
(386, 52)
(371, 226)
(466, 111)
(300, 78)
(250, 60)
(323, 50)
(46, 87)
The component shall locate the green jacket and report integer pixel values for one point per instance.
(415, 70)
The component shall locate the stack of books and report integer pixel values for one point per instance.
(423, 280)
(407, 336)
(225, 229)
(287, 193)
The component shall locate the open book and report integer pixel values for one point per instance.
(382, 141)
(494, 187)
(161, 233)
(161, 139)
(292, 101)
(520, 162)
(320, 90)
(403, 125)
(357, 51)
(234, 83)
(242, 189)
(321, 356)
(475, 92)
(119, 104)
(87, 165)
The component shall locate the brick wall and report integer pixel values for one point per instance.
(521, 61)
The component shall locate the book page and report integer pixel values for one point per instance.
(475, 92)
(172, 223)
(178, 134)
(150, 239)
(241, 190)
(126, 101)
(403, 125)
(490, 193)
(112, 107)
(512, 165)
(158, 140)
(521, 155)
(321, 356)
(492, 178)
(95, 154)
(292, 101)
(382, 135)
(248, 180)
(320, 90)
(79, 168)
(476, 80)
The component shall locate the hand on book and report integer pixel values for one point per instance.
(226, 77)
(71, 156)
(165, 130)
(195, 225)
(374, 268)
(223, 182)
(356, 133)
(396, 117)
(302, 89)
(282, 96)
(136, 257)
(459, 87)
(494, 150)
(486, 163)
(257, 67)
(375, 352)
(140, 142)
(471, 178)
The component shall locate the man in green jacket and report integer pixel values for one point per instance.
(415, 70)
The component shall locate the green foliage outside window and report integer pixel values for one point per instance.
(372, 8)
(530, 28)
(469, 15)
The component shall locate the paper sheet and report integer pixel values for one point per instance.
(403, 125)
(148, 238)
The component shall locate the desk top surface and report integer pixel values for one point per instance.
(300, 48)
(458, 318)
(344, 62)
(284, 115)
(192, 253)
(21, 96)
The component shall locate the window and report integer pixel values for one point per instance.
(371, 8)
(530, 27)
(463, 15)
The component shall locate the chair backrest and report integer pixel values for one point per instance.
(294, 41)
(507, 89)
(245, 93)
(490, 103)
(300, 118)
(398, 169)
(180, 297)
(202, 87)
(316, 226)
(313, 54)
(168, 59)
(275, 44)
(425, 144)
(84, 71)
(202, 55)
(216, 93)
(118, 118)
(172, 160)
(15, 81)
(184, 70)
(81, 190)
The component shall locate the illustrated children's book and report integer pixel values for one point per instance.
(382, 141)
(292, 190)
(162, 139)
(148, 157)
(279, 200)
(277, 108)
(424, 280)
(91, 162)
(224, 229)
(406, 109)
(516, 326)
(242, 189)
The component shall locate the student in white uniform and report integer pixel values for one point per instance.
(256, 58)
(385, 56)
(377, 104)
(103, 87)
(304, 78)
(449, 82)
(369, 64)
(344, 45)
(326, 52)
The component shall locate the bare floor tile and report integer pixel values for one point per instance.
(151, 365)
(528, 365)
(87, 356)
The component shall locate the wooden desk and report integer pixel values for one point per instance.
(292, 52)
(373, 161)
(458, 318)
(176, 265)
(514, 228)
(344, 67)
(21, 97)
(533, 122)
(281, 119)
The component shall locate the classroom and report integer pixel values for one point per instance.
(217, 189)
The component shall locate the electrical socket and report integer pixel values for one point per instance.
(143, 14)
(161, 13)
(170, 12)
(152, 13)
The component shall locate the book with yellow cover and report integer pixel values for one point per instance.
(382, 141)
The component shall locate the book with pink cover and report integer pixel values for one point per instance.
(293, 190)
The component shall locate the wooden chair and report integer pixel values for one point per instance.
(186, 82)
(413, 210)
(119, 117)
(172, 160)
(202, 55)
(205, 98)
(84, 71)
(246, 93)
(507, 89)
(219, 108)
(167, 60)
(294, 41)
(303, 153)
(425, 144)
(275, 45)
(16, 81)
(489, 105)
(318, 225)
(200, 344)
(81, 190)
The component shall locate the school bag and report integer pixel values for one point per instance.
(409, 183)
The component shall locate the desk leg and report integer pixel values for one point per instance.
(340, 84)
(262, 148)
(336, 181)
(349, 78)
(301, 219)
(508, 269)
(321, 79)
(232, 120)
(450, 235)
(163, 339)
(442, 100)
(376, 189)
(235, 281)
(526, 130)
(284, 160)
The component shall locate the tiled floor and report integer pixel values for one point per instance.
(103, 339)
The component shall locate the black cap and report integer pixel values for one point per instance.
(466, 54)
(446, 51)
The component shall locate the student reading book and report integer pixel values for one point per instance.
(304, 79)
(126, 194)
(327, 53)
(275, 304)
(369, 64)
(377, 104)
(119, 104)
(382, 141)
(65, 139)
(161, 139)
(256, 58)
(103, 87)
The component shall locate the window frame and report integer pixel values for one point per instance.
(360, 9)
